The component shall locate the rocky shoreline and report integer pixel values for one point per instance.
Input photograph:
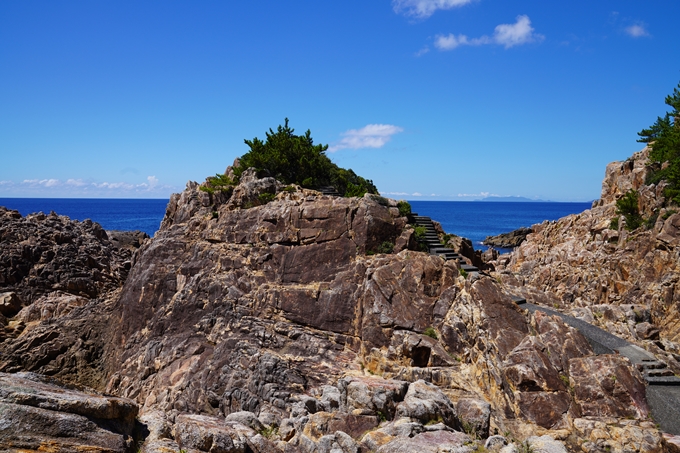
(274, 323)
(508, 240)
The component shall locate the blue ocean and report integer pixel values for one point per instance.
(471, 219)
(112, 214)
(476, 220)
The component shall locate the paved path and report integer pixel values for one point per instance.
(663, 388)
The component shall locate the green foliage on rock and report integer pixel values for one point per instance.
(386, 247)
(404, 208)
(218, 183)
(664, 139)
(627, 206)
(614, 224)
(295, 159)
(430, 332)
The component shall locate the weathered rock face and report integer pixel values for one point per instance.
(277, 327)
(43, 253)
(626, 282)
(508, 240)
(39, 414)
(56, 276)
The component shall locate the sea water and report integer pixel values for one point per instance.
(112, 214)
(476, 220)
(471, 219)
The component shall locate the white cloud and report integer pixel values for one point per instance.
(636, 31)
(417, 194)
(369, 136)
(520, 32)
(42, 182)
(76, 182)
(394, 193)
(423, 51)
(423, 9)
(452, 41)
(507, 35)
(153, 181)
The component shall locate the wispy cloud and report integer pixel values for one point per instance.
(422, 9)
(80, 187)
(636, 31)
(506, 35)
(41, 182)
(369, 136)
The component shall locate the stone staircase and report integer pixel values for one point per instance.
(434, 246)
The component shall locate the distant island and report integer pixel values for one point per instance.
(515, 198)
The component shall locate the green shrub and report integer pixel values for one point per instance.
(289, 189)
(668, 213)
(386, 247)
(419, 232)
(664, 139)
(266, 197)
(404, 208)
(627, 206)
(464, 273)
(295, 159)
(430, 332)
(614, 224)
(218, 183)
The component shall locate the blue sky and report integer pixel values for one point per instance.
(431, 99)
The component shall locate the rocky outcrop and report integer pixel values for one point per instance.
(42, 253)
(508, 240)
(625, 282)
(266, 319)
(38, 414)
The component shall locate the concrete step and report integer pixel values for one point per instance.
(663, 380)
(651, 365)
(469, 268)
(663, 372)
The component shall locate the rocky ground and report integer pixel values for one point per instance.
(250, 325)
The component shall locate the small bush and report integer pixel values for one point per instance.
(464, 273)
(289, 189)
(614, 224)
(668, 213)
(404, 208)
(627, 206)
(218, 183)
(386, 247)
(266, 197)
(419, 233)
(430, 332)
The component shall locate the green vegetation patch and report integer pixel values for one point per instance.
(627, 206)
(295, 159)
(663, 137)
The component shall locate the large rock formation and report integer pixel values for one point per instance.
(626, 282)
(254, 325)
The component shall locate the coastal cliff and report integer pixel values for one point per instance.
(267, 319)
(627, 282)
